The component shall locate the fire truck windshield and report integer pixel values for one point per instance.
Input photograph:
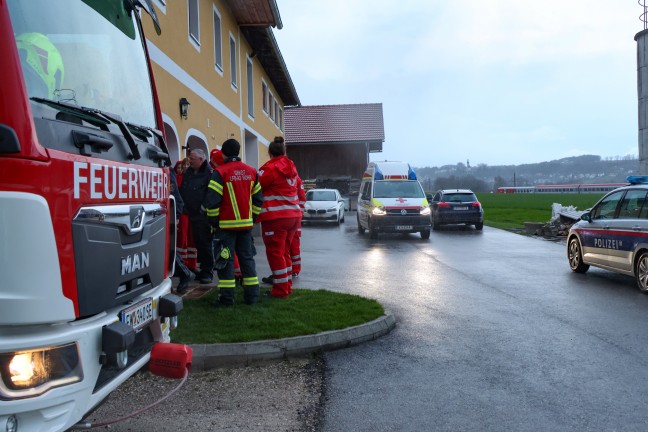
(87, 53)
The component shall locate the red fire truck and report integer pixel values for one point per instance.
(87, 224)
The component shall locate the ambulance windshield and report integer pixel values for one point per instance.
(398, 189)
(86, 53)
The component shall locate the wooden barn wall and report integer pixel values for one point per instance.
(314, 160)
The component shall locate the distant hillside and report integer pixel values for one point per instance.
(585, 169)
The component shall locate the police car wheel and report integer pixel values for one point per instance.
(641, 272)
(575, 257)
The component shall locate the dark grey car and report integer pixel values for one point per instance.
(456, 206)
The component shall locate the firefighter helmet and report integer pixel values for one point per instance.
(43, 58)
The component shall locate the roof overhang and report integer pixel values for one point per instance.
(266, 49)
(256, 19)
(255, 12)
(373, 146)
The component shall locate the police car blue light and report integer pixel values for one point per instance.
(637, 179)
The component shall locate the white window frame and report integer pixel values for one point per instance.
(194, 39)
(233, 63)
(249, 75)
(271, 113)
(161, 4)
(218, 41)
(264, 94)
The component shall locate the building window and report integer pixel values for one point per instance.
(218, 42)
(264, 95)
(161, 4)
(194, 21)
(271, 106)
(250, 88)
(276, 112)
(233, 67)
(280, 119)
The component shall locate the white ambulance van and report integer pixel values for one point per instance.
(392, 200)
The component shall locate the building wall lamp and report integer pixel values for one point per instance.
(184, 108)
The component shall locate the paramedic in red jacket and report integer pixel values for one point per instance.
(280, 215)
(233, 201)
(295, 246)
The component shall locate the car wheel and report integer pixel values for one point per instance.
(479, 226)
(641, 272)
(435, 224)
(361, 229)
(425, 234)
(575, 256)
(373, 232)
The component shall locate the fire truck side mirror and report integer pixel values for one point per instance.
(8, 140)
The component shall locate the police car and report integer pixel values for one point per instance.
(613, 234)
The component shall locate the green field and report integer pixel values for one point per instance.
(510, 211)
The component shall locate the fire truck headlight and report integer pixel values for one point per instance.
(425, 210)
(378, 211)
(33, 372)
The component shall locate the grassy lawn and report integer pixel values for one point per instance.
(509, 211)
(304, 312)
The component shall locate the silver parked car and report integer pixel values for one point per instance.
(324, 205)
(614, 233)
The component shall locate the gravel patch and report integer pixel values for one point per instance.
(282, 396)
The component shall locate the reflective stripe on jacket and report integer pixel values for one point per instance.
(234, 196)
(278, 178)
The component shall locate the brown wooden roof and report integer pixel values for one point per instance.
(255, 18)
(335, 124)
(255, 12)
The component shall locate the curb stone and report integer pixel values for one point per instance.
(212, 356)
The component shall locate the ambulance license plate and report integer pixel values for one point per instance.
(138, 315)
(403, 227)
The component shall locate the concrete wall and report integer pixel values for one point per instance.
(642, 93)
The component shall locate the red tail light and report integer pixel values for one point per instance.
(444, 205)
(476, 204)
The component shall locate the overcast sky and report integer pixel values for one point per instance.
(495, 81)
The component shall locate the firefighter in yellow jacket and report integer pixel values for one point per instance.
(233, 202)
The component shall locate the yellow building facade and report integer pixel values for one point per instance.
(220, 61)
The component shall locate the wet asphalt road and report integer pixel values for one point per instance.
(494, 332)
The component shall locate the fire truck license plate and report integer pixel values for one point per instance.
(138, 315)
(403, 227)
